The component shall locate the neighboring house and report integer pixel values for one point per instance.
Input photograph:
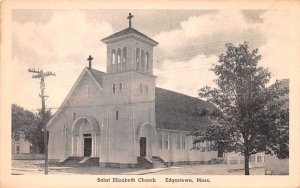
(20, 146)
(121, 118)
(274, 165)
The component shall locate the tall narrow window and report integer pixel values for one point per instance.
(74, 116)
(119, 59)
(137, 59)
(64, 132)
(124, 61)
(113, 60)
(117, 115)
(146, 89)
(114, 88)
(142, 61)
(147, 62)
(141, 88)
(120, 87)
(178, 142)
(166, 141)
(183, 143)
(160, 141)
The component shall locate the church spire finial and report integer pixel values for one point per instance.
(130, 16)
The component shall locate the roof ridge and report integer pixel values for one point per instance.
(127, 31)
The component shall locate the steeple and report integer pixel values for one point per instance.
(129, 50)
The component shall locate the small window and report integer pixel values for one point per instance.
(141, 88)
(18, 149)
(259, 159)
(114, 88)
(121, 87)
(146, 89)
(160, 141)
(166, 141)
(178, 142)
(74, 116)
(117, 115)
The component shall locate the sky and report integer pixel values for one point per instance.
(190, 42)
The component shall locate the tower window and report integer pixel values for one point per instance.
(113, 60)
(146, 89)
(147, 62)
(114, 88)
(124, 53)
(121, 87)
(117, 115)
(119, 59)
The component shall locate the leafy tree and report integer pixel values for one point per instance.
(30, 125)
(251, 117)
(21, 119)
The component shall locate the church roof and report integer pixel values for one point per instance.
(98, 75)
(177, 111)
(128, 31)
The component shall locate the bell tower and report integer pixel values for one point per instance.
(129, 92)
(129, 50)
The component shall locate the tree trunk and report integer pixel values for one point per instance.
(247, 164)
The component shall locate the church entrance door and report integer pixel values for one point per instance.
(143, 146)
(87, 147)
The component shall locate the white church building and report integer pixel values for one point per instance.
(119, 118)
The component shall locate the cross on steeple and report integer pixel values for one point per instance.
(130, 16)
(90, 61)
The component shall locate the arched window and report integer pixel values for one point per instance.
(119, 59)
(137, 59)
(143, 61)
(124, 61)
(147, 62)
(113, 60)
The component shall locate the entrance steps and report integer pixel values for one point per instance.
(158, 163)
(80, 161)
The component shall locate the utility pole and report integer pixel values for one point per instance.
(38, 73)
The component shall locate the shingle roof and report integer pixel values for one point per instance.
(128, 31)
(174, 111)
(177, 111)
